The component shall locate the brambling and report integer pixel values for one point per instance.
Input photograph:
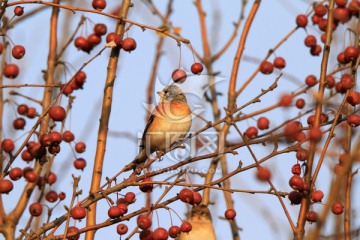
(167, 125)
(201, 222)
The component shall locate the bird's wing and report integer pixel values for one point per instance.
(143, 138)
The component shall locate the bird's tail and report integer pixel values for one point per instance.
(140, 158)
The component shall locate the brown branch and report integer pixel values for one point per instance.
(305, 203)
(105, 118)
(119, 18)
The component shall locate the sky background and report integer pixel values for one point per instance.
(259, 216)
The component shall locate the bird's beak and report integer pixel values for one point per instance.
(161, 94)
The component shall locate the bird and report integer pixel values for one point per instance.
(169, 122)
(201, 222)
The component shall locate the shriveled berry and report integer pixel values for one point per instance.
(337, 208)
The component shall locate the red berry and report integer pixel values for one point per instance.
(285, 100)
(251, 132)
(354, 7)
(130, 197)
(263, 174)
(57, 113)
(300, 103)
(317, 195)
(148, 186)
(291, 130)
(22, 109)
(27, 156)
(99, 4)
(351, 53)
(341, 58)
(128, 44)
(315, 51)
(353, 98)
(160, 234)
(6, 186)
(310, 41)
(296, 169)
(341, 3)
(186, 195)
(320, 10)
(329, 81)
(31, 113)
(16, 173)
(114, 212)
(18, 51)
(302, 154)
(197, 68)
(78, 212)
(73, 230)
(301, 20)
(146, 235)
(347, 81)
(185, 226)
(295, 197)
(121, 229)
(111, 37)
(310, 80)
(337, 208)
(51, 179)
(315, 19)
(296, 182)
(266, 67)
(230, 214)
(123, 208)
(174, 231)
(100, 29)
(279, 62)
(118, 41)
(68, 136)
(7, 145)
(311, 216)
(144, 222)
(353, 120)
(19, 123)
(62, 196)
(51, 196)
(93, 39)
(18, 11)
(197, 198)
(11, 70)
(80, 42)
(35, 209)
(80, 147)
(178, 75)
(80, 163)
(55, 138)
(263, 123)
(315, 134)
(30, 176)
(342, 14)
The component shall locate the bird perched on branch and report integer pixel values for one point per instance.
(201, 222)
(167, 125)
